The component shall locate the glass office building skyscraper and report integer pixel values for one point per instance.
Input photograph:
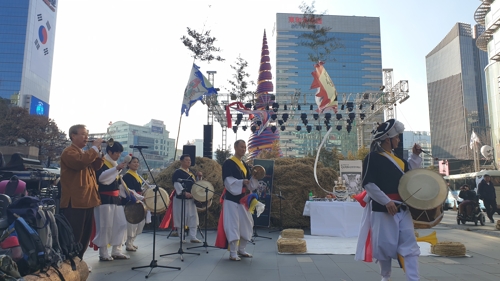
(27, 30)
(355, 68)
(457, 93)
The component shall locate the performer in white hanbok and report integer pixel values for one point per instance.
(387, 226)
(134, 182)
(110, 221)
(236, 222)
(183, 176)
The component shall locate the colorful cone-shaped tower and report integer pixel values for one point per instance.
(265, 140)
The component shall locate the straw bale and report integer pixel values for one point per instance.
(292, 233)
(291, 245)
(294, 177)
(449, 249)
(497, 226)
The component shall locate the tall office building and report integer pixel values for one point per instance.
(355, 68)
(487, 15)
(457, 94)
(27, 30)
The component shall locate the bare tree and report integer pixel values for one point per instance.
(239, 89)
(317, 39)
(202, 45)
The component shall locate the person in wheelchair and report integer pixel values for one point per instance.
(470, 202)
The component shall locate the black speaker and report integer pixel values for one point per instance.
(191, 150)
(399, 150)
(208, 132)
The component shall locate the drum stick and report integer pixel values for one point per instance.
(404, 201)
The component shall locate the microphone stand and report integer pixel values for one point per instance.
(281, 218)
(182, 234)
(206, 215)
(153, 264)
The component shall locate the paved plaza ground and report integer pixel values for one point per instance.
(482, 243)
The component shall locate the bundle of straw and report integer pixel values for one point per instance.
(449, 249)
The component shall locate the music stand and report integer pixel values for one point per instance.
(206, 215)
(153, 263)
(281, 218)
(183, 230)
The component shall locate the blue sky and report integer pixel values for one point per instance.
(123, 60)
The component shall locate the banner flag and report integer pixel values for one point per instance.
(196, 88)
(326, 95)
(474, 139)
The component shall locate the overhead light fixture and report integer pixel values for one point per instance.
(259, 122)
(273, 129)
(244, 128)
(253, 128)
(350, 106)
(282, 128)
(338, 116)
(362, 116)
(298, 128)
(235, 129)
(309, 128)
(352, 115)
(280, 122)
(318, 127)
(348, 128)
(315, 116)
(328, 116)
(339, 127)
(285, 117)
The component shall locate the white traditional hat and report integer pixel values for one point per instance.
(422, 189)
(388, 129)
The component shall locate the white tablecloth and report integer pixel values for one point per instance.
(340, 219)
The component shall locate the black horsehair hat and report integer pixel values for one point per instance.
(383, 129)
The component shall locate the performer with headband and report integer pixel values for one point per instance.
(235, 222)
(185, 176)
(134, 183)
(110, 221)
(387, 220)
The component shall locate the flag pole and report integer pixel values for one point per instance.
(177, 140)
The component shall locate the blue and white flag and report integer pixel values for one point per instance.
(196, 88)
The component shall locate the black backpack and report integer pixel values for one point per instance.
(69, 247)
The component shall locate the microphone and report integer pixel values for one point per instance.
(184, 180)
(127, 159)
(138, 146)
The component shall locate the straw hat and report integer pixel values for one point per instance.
(422, 189)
